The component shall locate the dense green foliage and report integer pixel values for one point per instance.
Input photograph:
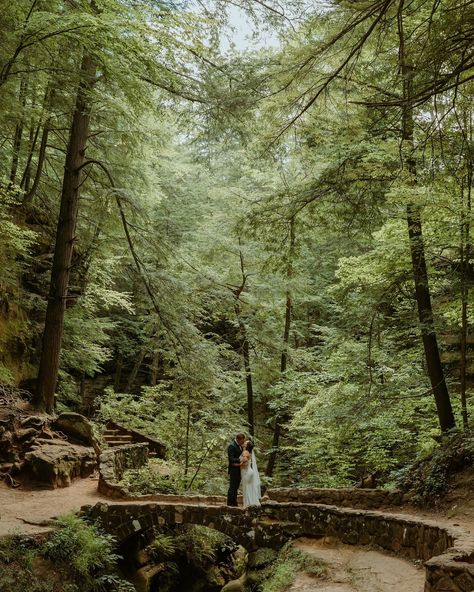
(280, 573)
(429, 479)
(75, 557)
(193, 557)
(241, 240)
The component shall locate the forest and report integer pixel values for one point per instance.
(199, 237)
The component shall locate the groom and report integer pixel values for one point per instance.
(234, 450)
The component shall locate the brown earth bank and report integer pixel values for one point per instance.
(28, 509)
(356, 569)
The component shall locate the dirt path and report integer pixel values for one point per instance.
(351, 568)
(37, 505)
(356, 569)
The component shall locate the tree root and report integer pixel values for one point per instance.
(9, 479)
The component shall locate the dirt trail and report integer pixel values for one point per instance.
(37, 505)
(351, 568)
(356, 569)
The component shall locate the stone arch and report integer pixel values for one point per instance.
(448, 552)
(125, 521)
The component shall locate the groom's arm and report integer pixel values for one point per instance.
(234, 461)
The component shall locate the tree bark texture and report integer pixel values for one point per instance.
(18, 132)
(118, 373)
(465, 250)
(65, 236)
(245, 349)
(417, 250)
(284, 354)
(154, 366)
(135, 369)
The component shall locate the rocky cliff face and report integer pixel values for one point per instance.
(51, 451)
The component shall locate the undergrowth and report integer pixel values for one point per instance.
(429, 478)
(76, 557)
(197, 545)
(279, 575)
(163, 477)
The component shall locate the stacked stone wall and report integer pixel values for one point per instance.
(447, 551)
(346, 497)
(114, 462)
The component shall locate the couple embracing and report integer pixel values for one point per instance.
(243, 469)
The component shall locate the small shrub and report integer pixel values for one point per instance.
(290, 561)
(88, 554)
(199, 545)
(429, 478)
(155, 477)
(162, 548)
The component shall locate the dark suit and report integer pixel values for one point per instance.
(233, 453)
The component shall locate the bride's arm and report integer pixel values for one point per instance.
(244, 458)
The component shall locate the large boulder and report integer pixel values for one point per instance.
(77, 427)
(57, 462)
(147, 575)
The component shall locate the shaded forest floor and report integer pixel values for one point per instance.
(349, 568)
(38, 506)
(356, 569)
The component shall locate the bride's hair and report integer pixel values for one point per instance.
(249, 445)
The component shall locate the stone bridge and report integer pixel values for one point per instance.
(253, 528)
(448, 552)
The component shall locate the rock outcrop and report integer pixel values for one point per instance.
(53, 452)
(77, 428)
(56, 462)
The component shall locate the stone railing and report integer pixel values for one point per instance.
(114, 462)
(448, 551)
(348, 497)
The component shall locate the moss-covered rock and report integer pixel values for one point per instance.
(261, 558)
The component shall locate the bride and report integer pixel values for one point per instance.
(250, 476)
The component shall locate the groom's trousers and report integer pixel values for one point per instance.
(234, 482)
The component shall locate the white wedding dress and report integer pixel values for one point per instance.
(250, 479)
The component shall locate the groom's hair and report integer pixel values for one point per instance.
(239, 435)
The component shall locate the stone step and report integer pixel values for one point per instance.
(119, 442)
(124, 437)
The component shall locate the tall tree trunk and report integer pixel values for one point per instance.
(82, 394)
(65, 236)
(32, 139)
(118, 373)
(186, 444)
(245, 349)
(284, 353)
(135, 369)
(18, 131)
(30, 193)
(417, 250)
(154, 367)
(466, 209)
(465, 256)
(48, 100)
(244, 344)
